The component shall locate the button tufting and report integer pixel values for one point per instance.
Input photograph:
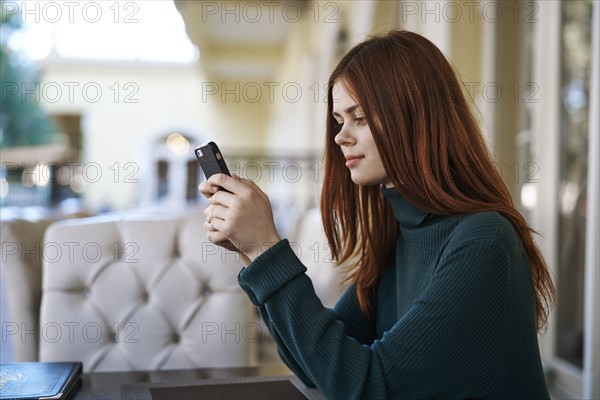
(114, 337)
(131, 325)
(206, 291)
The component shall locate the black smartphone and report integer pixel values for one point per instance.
(211, 160)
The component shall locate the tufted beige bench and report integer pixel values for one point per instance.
(143, 293)
(21, 269)
(310, 243)
(140, 292)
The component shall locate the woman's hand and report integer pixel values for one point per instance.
(239, 219)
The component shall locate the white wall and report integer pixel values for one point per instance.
(159, 99)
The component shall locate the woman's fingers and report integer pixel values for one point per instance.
(221, 181)
(207, 189)
(233, 184)
(222, 198)
(216, 211)
(213, 234)
(242, 215)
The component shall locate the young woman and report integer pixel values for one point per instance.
(449, 288)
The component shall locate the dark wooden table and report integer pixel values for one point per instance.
(107, 385)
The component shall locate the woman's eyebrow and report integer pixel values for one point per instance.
(347, 110)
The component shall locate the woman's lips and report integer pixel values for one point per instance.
(352, 161)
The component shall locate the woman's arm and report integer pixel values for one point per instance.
(450, 340)
(346, 310)
(356, 325)
(282, 350)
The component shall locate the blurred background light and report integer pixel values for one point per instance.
(177, 143)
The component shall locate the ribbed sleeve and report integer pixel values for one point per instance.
(262, 280)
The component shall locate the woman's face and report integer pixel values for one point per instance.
(356, 141)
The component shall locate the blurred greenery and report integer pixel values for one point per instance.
(22, 120)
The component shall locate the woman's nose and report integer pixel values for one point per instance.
(343, 138)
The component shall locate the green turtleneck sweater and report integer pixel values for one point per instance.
(455, 315)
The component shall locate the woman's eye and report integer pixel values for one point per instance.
(360, 120)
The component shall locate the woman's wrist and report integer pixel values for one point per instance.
(255, 250)
(244, 259)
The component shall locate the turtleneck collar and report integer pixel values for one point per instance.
(406, 214)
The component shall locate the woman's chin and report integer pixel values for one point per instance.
(358, 181)
(362, 181)
(365, 181)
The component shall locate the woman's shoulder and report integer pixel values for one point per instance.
(485, 236)
(484, 227)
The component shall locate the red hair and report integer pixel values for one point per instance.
(432, 150)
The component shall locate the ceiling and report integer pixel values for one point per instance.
(239, 40)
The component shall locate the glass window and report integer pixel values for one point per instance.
(575, 39)
(525, 171)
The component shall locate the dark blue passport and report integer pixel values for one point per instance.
(34, 380)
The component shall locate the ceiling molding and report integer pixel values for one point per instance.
(238, 42)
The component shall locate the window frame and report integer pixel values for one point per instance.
(565, 379)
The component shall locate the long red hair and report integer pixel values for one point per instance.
(432, 150)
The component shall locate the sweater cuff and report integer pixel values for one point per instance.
(270, 271)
